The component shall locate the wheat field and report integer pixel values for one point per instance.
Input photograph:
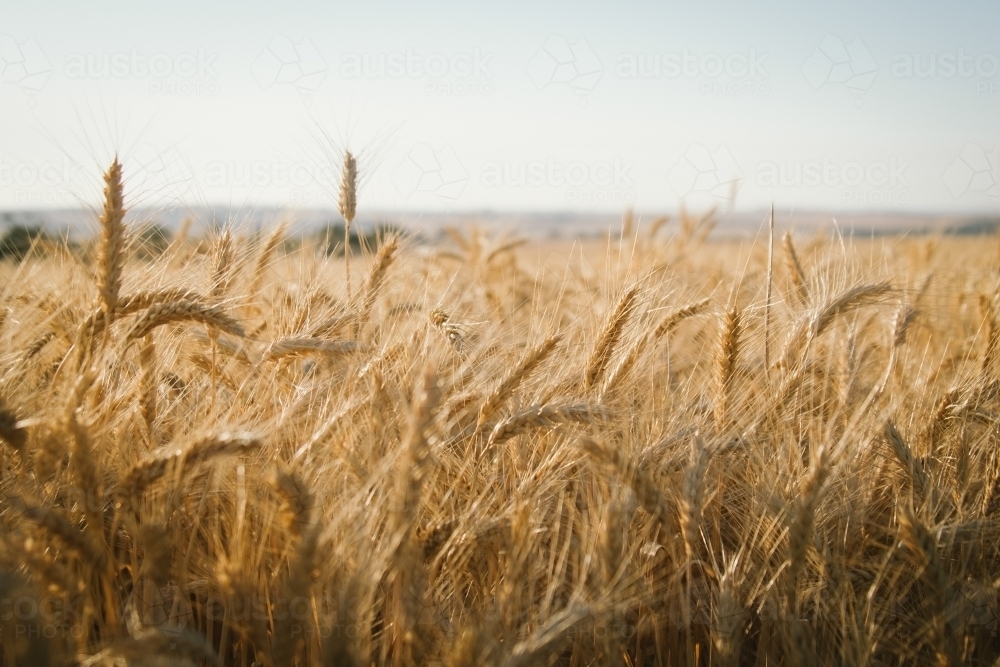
(651, 449)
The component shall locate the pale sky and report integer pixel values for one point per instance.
(521, 106)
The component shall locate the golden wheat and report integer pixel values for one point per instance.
(506, 459)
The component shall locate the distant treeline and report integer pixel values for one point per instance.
(17, 240)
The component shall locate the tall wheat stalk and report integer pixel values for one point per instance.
(348, 204)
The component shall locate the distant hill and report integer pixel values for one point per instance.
(568, 224)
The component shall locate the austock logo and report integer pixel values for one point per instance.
(184, 73)
(584, 182)
(979, 68)
(298, 182)
(298, 64)
(873, 182)
(727, 74)
(559, 62)
(835, 62)
(54, 182)
(452, 74)
(944, 65)
(429, 172)
(23, 64)
(706, 173)
(974, 171)
(163, 170)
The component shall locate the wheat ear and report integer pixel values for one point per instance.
(111, 252)
(376, 277)
(451, 331)
(726, 358)
(675, 317)
(409, 581)
(298, 512)
(621, 369)
(267, 251)
(542, 416)
(807, 330)
(515, 377)
(988, 307)
(543, 644)
(692, 499)
(727, 619)
(223, 259)
(184, 311)
(11, 431)
(605, 345)
(904, 455)
(820, 319)
(156, 464)
(304, 345)
(348, 203)
(799, 536)
(94, 325)
(296, 500)
(795, 269)
(55, 521)
(943, 414)
(656, 225)
(147, 386)
(503, 248)
(416, 448)
(645, 489)
(923, 546)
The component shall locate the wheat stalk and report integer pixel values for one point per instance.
(767, 291)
